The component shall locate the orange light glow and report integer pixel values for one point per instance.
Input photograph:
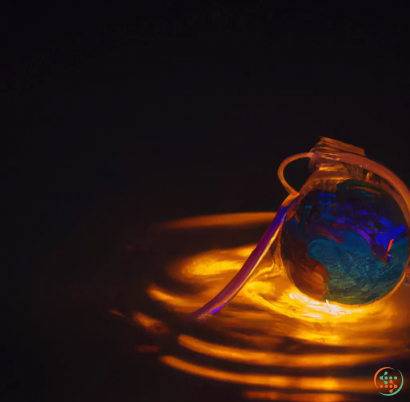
(270, 323)
(314, 397)
(240, 219)
(277, 381)
(150, 324)
(262, 358)
(272, 302)
(115, 312)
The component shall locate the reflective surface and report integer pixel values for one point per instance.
(272, 341)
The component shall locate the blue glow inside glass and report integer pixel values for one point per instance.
(349, 245)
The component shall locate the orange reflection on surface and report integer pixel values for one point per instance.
(271, 323)
(263, 358)
(240, 219)
(271, 304)
(173, 301)
(277, 381)
(275, 396)
(115, 312)
(150, 324)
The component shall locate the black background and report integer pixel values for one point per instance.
(119, 115)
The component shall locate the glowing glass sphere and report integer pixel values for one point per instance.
(346, 243)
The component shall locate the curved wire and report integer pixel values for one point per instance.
(286, 162)
(239, 280)
(236, 284)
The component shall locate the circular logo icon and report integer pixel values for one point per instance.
(388, 381)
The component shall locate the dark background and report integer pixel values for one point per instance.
(119, 115)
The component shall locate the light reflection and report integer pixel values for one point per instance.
(270, 323)
(117, 313)
(264, 358)
(273, 302)
(239, 219)
(150, 324)
(314, 397)
(276, 381)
